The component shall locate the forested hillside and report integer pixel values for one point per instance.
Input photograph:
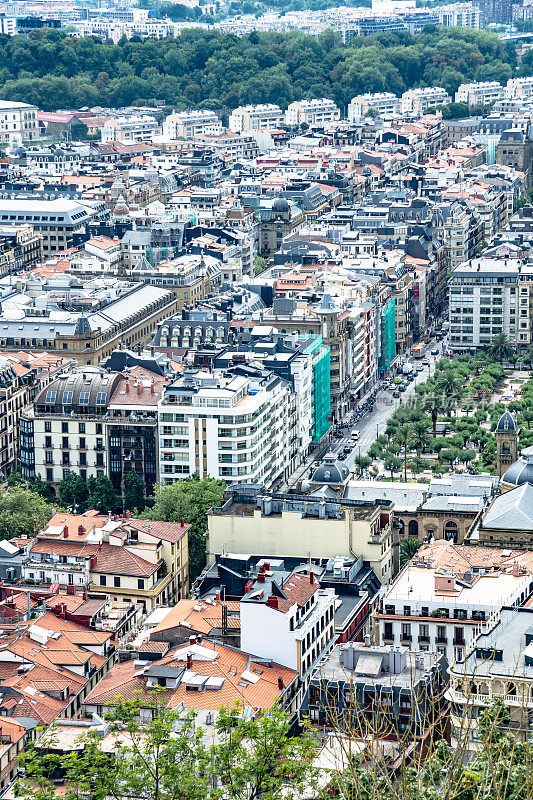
(207, 69)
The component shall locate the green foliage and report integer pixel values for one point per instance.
(53, 70)
(21, 511)
(134, 491)
(172, 758)
(102, 494)
(73, 491)
(190, 498)
(408, 548)
(43, 488)
(259, 265)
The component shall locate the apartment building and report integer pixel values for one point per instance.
(254, 521)
(291, 621)
(312, 112)
(499, 666)
(417, 101)
(93, 422)
(266, 117)
(380, 102)
(482, 93)
(238, 425)
(519, 88)
(131, 128)
(58, 221)
(137, 561)
(189, 124)
(438, 601)
(461, 230)
(489, 297)
(18, 122)
(190, 277)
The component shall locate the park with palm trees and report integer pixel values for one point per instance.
(448, 424)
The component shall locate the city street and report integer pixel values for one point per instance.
(373, 422)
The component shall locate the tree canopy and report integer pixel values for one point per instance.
(211, 69)
(21, 511)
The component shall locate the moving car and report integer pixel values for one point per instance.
(396, 393)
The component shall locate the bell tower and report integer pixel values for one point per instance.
(506, 434)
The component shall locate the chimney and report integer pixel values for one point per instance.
(63, 610)
(272, 601)
(266, 566)
(199, 639)
(281, 685)
(248, 587)
(139, 388)
(93, 562)
(192, 639)
(152, 388)
(81, 530)
(217, 597)
(311, 578)
(84, 594)
(261, 578)
(182, 522)
(65, 532)
(516, 569)
(189, 661)
(128, 514)
(127, 387)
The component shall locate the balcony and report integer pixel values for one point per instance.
(406, 637)
(423, 639)
(441, 640)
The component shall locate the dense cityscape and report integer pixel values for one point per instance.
(266, 400)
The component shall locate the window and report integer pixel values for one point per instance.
(50, 397)
(48, 427)
(140, 583)
(102, 580)
(100, 398)
(81, 427)
(83, 459)
(49, 474)
(64, 427)
(387, 631)
(49, 457)
(406, 630)
(65, 444)
(82, 443)
(98, 427)
(67, 398)
(441, 633)
(84, 398)
(116, 581)
(99, 459)
(48, 441)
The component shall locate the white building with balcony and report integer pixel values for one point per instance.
(380, 102)
(312, 112)
(417, 101)
(265, 117)
(482, 93)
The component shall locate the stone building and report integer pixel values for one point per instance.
(506, 434)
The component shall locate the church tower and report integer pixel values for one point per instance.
(506, 442)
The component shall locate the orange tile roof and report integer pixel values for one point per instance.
(168, 531)
(202, 621)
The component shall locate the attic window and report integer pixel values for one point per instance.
(244, 684)
(50, 396)
(84, 398)
(258, 671)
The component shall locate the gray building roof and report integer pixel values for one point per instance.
(522, 470)
(512, 510)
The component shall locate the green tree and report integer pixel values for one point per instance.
(392, 463)
(434, 405)
(259, 265)
(102, 494)
(500, 348)
(408, 548)
(134, 491)
(21, 512)
(420, 436)
(43, 488)
(190, 498)
(403, 439)
(73, 491)
(363, 462)
(172, 758)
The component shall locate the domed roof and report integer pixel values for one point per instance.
(59, 152)
(280, 205)
(331, 471)
(506, 423)
(521, 471)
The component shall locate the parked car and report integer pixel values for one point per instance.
(347, 449)
(341, 457)
(402, 387)
(396, 393)
(435, 351)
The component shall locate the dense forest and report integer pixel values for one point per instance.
(208, 69)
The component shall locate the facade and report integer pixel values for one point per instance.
(313, 113)
(238, 425)
(132, 128)
(506, 434)
(253, 521)
(479, 94)
(489, 297)
(18, 122)
(519, 88)
(189, 124)
(264, 117)
(387, 351)
(515, 149)
(381, 103)
(438, 601)
(417, 101)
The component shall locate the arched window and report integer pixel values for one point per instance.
(506, 450)
(450, 530)
(413, 527)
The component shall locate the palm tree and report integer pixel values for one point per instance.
(500, 348)
(420, 437)
(434, 405)
(408, 548)
(448, 383)
(403, 438)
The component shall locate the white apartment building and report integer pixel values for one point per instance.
(382, 102)
(286, 617)
(439, 601)
(417, 101)
(481, 93)
(228, 426)
(461, 15)
(18, 122)
(266, 116)
(312, 112)
(133, 128)
(189, 124)
(489, 297)
(8, 25)
(519, 88)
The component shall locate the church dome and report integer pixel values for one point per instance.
(506, 423)
(331, 471)
(280, 205)
(521, 471)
